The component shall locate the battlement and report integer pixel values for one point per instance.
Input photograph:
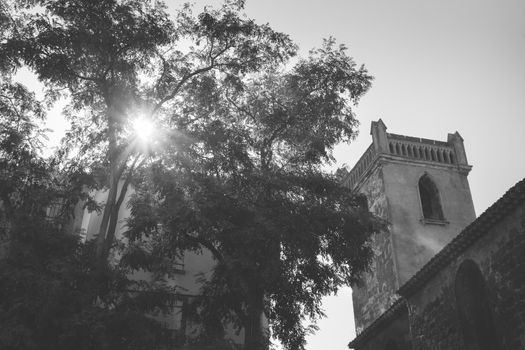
(422, 149)
(393, 146)
(361, 167)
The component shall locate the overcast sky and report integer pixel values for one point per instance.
(439, 66)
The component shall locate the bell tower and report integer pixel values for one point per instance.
(420, 187)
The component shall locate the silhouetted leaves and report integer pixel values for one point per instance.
(236, 168)
(249, 186)
(118, 60)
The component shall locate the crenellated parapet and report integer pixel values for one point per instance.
(361, 167)
(421, 149)
(388, 146)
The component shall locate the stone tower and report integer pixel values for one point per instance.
(420, 187)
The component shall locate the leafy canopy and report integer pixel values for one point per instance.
(116, 61)
(246, 182)
(240, 169)
(49, 296)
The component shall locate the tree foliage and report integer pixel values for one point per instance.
(236, 169)
(247, 183)
(117, 59)
(50, 295)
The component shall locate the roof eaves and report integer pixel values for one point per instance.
(390, 314)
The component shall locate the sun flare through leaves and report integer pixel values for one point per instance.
(143, 129)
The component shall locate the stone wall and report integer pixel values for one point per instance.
(500, 255)
(376, 293)
(416, 241)
(393, 335)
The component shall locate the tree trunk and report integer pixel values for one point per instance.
(104, 235)
(113, 220)
(255, 333)
(106, 217)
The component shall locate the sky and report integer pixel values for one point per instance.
(439, 67)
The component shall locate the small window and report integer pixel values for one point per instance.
(430, 203)
(174, 321)
(178, 261)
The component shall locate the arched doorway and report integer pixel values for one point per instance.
(474, 310)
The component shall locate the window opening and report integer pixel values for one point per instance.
(429, 196)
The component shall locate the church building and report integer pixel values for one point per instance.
(440, 278)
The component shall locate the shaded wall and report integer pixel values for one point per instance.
(392, 336)
(434, 313)
(376, 293)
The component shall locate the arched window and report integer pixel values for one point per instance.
(429, 196)
(473, 307)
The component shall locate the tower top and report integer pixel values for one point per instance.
(400, 148)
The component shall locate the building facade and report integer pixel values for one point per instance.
(190, 269)
(434, 279)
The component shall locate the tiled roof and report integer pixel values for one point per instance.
(392, 313)
(511, 199)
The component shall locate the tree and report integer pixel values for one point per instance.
(240, 171)
(50, 297)
(247, 184)
(116, 59)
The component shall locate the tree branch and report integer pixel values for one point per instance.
(96, 80)
(241, 109)
(179, 86)
(127, 181)
(196, 72)
(208, 245)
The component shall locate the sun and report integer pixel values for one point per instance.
(143, 129)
